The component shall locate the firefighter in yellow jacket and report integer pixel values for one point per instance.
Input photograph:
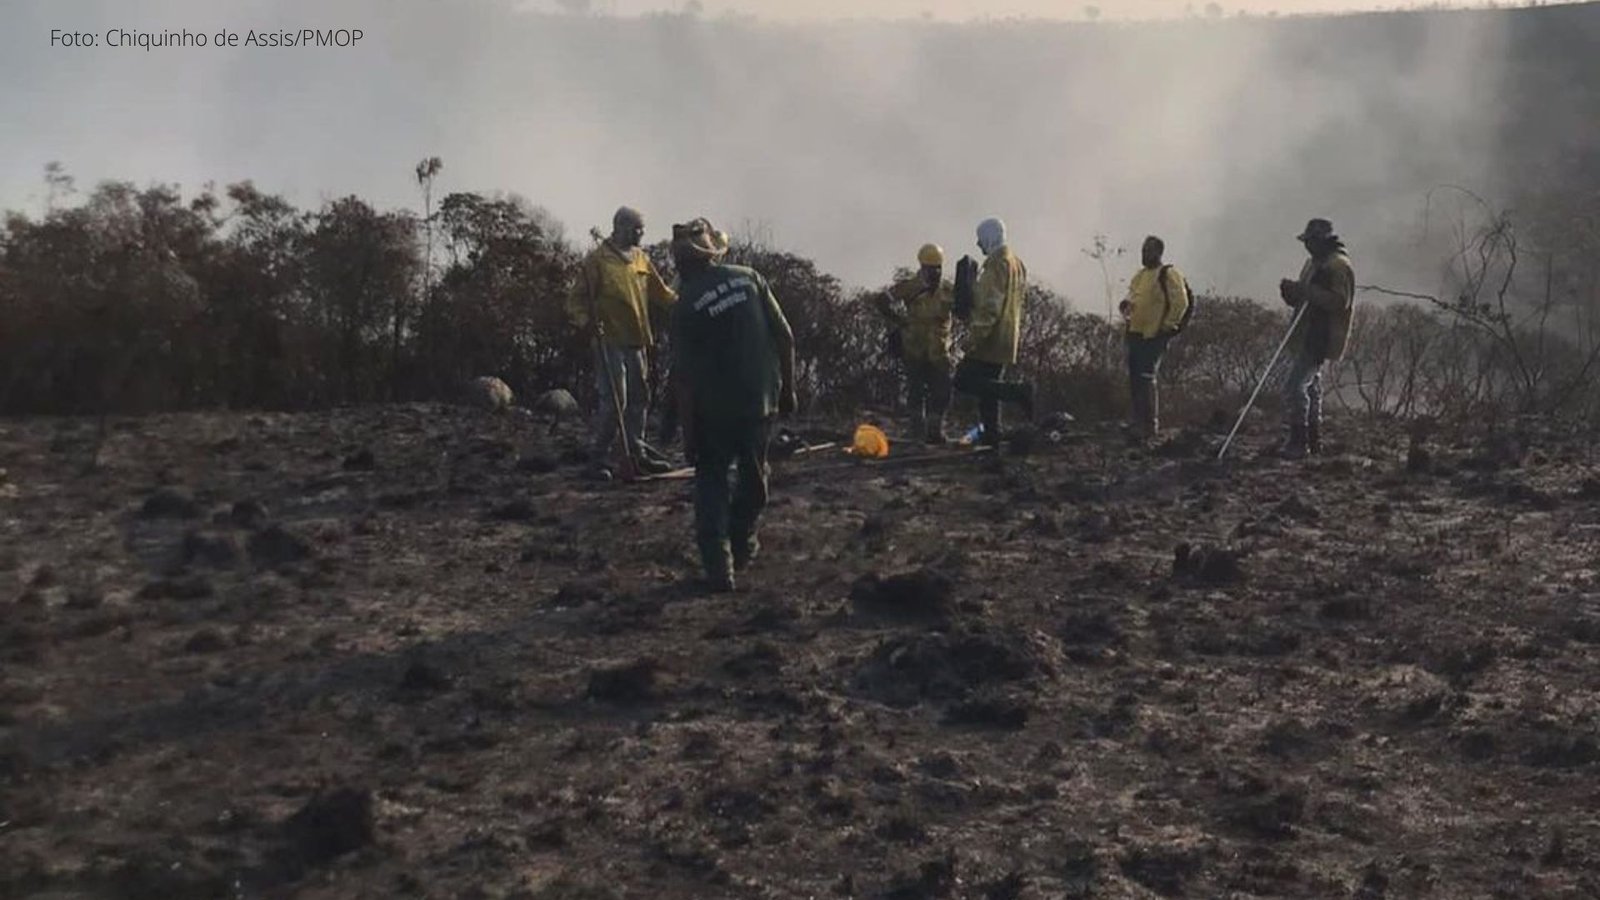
(994, 330)
(924, 329)
(615, 282)
(1327, 289)
(1158, 297)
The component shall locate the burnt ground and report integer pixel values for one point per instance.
(408, 652)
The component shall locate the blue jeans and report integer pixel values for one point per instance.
(1302, 392)
(624, 367)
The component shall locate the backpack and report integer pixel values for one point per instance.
(1188, 312)
(966, 278)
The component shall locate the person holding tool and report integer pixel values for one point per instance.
(734, 369)
(1324, 296)
(1323, 300)
(615, 282)
(924, 340)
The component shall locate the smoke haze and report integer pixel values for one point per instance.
(850, 143)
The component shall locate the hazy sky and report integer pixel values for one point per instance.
(850, 144)
(963, 10)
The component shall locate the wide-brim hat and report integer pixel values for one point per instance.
(698, 237)
(1317, 230)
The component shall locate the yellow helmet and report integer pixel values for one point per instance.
(870, 441)
(930, 255)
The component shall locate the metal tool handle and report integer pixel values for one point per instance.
(1263, 380)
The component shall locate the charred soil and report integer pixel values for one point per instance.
(374, 653)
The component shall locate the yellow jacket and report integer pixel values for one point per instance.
(925, 327)
(618, 285)
(997, 299)
(1152, 311)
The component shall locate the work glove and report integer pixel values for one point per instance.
(1125, 308)
(1290, 291)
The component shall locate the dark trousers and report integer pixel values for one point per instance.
(723, 520)
(1303, 391)
(1144, 356)
(928, 390)
(982, 380)
(1144, 365)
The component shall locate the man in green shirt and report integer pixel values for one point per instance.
(733, 367)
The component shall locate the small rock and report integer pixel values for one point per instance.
(921, 594)
(1025, 441)
(169, 503)
(360, 461)
(630, 683)
(248, 514)
(84, 600)
(191, 588)
(1347, 608)
(520, 509)
(1162, 868)
(331, 825)
(990, 710)
(488, 393)
(761, 660)
(422, 677)
(1207, 564)
(206, 640)
(537, 463)
(577, 593)
(1297, 508)
(217, 551)
(935, 879)
(556, 401)
(276, 546)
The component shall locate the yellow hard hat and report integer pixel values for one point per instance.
(870, 441)
(930, 255)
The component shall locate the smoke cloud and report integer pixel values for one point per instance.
(849, 142)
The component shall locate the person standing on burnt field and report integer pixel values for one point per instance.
(923, 332)
(993, 306)
(734, 371)
(616, 283)
(1156, 309)
(1326, 289)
